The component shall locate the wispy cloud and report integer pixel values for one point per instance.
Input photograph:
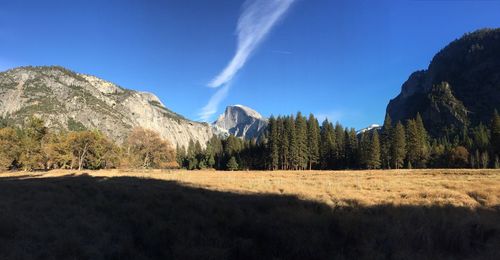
(255, 22)
(211, 107)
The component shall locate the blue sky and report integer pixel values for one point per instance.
(341, 59)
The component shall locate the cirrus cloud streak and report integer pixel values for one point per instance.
(255, 22)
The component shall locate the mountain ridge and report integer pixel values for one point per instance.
(64, 98)
(240, 121)
(460, 87)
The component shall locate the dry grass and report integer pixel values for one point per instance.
(405, 214)
(468, 188)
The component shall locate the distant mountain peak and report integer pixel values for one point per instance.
(247, 110)
(240, 121)
(370, 128)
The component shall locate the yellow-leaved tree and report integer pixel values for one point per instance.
(146, 149)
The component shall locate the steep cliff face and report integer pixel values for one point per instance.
(71, 101)
(460, 87)
(241, 121)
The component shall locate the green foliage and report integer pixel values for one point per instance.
(458, 90)
(495, 133)
(374, 152)
(385, 147)
(91, 150)
(232, 164)
(290, 143)
(351, 149)
(300, 162)
(3, 122)
(313, 139)
(398, 146)
(274, 153)
(32, 156)
(327, 145)
(10, 148)
(74, 125)
(422, 143)
(57, 151)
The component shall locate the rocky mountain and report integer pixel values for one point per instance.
(240, 121)
(369, 129)
(460, 87)
(72, 101)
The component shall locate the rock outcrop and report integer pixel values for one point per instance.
(71, 101)
(460, 87)
(240, 121)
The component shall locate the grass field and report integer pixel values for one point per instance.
(117, 214)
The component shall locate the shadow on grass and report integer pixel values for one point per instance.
(83, 217)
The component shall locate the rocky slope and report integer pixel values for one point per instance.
(460, 87)
(240, 121)
(69, 100)
(369, 129)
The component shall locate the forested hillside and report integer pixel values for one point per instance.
(459, 90)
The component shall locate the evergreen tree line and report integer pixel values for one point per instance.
(297, 142)
(34, 147)
(229, 153)
(291, 143)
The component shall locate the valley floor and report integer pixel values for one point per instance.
(130, 214)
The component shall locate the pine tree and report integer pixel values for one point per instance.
(339, 146)
(312, 141)
(480, 138)
(398, 146)
(423, 143)
(485, 160)
(495, 134)
(364, 150)
(232, 145)
(273, 142)
(292, 143)
(385, 145)
(327, 145)
(191, 148)
(232, 164)
(180, 155)
(283, 143)
(218, 151)
(191, 162)
(352, 148)
(374, 156)
(412, 142)
(301, 141)
(209, 155)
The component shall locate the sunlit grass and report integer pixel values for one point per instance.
(458, 187)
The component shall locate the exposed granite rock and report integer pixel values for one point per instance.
(461, 86)
(240, 121)
(64, 98)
